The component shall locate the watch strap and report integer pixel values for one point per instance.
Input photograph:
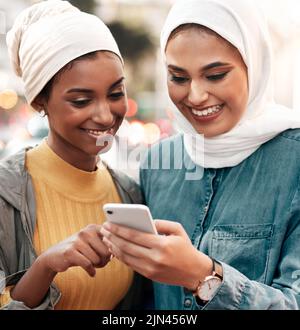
(217, 269)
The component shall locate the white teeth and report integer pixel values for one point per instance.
(98, 133)
(208, 111)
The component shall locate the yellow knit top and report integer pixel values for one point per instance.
(67, 200)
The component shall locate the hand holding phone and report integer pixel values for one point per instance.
(135, 216)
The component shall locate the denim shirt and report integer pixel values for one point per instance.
(246, 217)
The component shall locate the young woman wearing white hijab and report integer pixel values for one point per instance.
(51, 195)
(231, 238)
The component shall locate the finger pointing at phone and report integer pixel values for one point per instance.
(84, 249)
(169, 258)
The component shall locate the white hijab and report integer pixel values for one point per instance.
(242, 24)
(50, 34)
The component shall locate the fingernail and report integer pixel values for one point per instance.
(106, 241)
(107, 225)
(104, 232)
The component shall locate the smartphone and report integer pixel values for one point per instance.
(135, 216)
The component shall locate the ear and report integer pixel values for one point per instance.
(38, 104)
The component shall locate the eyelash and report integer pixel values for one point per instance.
(216, 77)
(84, 102)
(80, 103)
(116, 96)
(182, 80)
(178, 80)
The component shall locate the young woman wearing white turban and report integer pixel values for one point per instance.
(233, 238)
(51, 195)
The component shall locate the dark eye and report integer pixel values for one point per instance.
(117, 95)
(80, 103)
(217, 76)
(178, 80)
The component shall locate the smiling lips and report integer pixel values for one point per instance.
(208, 111)
(97, 133)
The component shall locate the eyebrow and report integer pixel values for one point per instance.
(206, 67)
(86, 90)
(118, 82)
(214, 65)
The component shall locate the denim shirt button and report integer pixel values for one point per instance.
(187, 302)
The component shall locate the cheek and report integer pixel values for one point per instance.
(120, 108)
(242, 91)
(240, 101)
(237, 96)
(176, 93)
(61, 117)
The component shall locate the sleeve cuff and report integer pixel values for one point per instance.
(229, 294)
(5, 297)
(47, 304)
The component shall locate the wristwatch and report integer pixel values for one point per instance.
(207, 288)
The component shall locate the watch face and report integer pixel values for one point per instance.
(208, 288)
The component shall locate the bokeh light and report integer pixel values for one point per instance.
(124, 129)
(165, 126)
(8, 99)
(151, 133)
(132, 108)
(136, 133)
(37, 124)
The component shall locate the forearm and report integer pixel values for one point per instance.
(34, 285)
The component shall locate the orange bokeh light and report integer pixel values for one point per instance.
(132, 108)
(8, 99)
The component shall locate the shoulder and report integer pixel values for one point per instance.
(286, 145)
(127, 187)
(168, 146)
(281, 155)
(13, 176)
(164, 162)
(291, 134)
(171, 141)
(13, 163)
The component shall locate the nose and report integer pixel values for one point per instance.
(102, 114)
(197, 93)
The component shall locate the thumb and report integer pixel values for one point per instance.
(169, 228)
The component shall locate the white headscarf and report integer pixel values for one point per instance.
(242, 24)
(50, 34)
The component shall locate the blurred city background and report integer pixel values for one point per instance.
(136, 25)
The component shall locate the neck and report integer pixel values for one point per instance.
(71, 154)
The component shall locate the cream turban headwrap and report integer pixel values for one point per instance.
(241, 23)
(50, 34)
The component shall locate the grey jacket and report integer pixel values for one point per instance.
(17, 224)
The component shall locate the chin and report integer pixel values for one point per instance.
(213, 131)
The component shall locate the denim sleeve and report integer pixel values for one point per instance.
(238, 292)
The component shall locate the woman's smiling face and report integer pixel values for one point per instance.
(207, 80)
(87, 101)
